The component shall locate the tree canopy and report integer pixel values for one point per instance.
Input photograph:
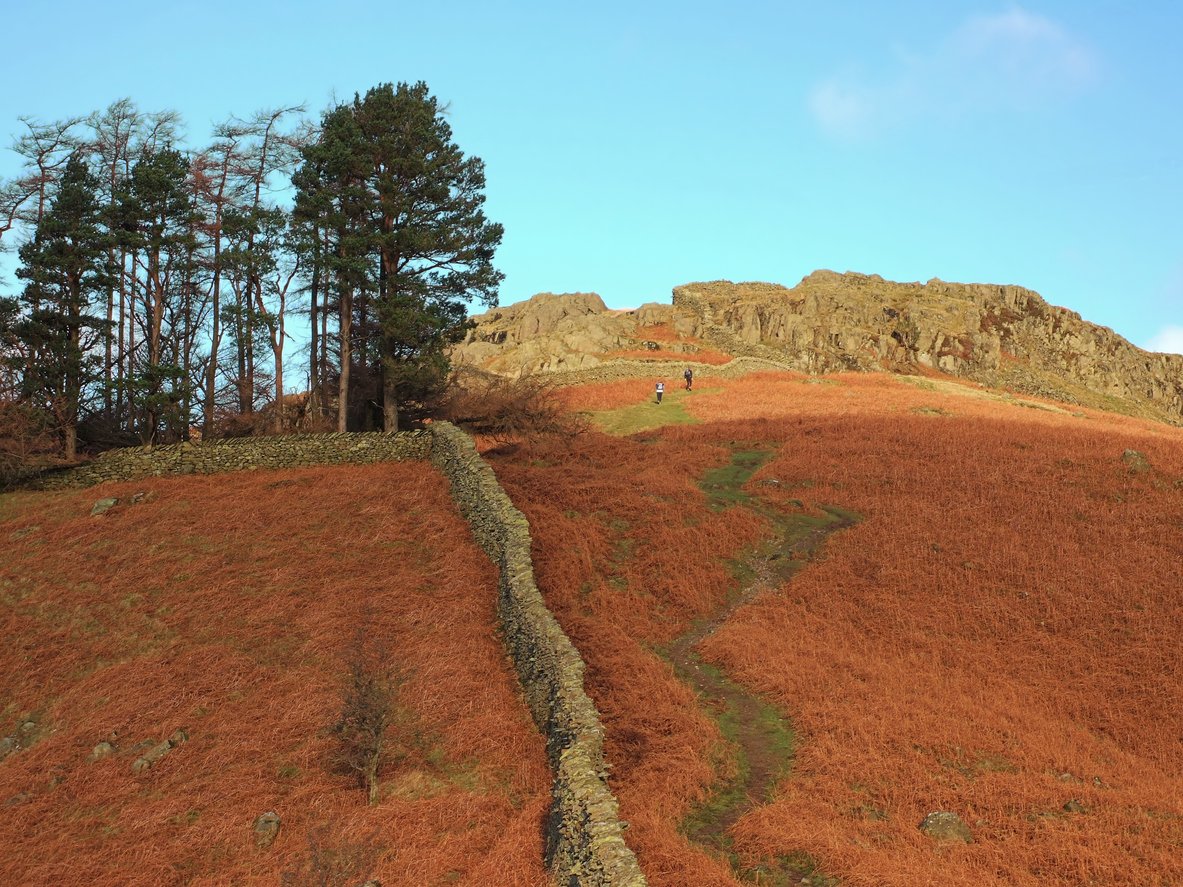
(159, 285)
(403, 207)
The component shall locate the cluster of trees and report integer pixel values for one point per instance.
(158, 287)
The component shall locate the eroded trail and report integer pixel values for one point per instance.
(760, 736)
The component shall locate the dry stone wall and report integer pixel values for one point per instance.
(664, 369)
(238, 454)
(585, 842)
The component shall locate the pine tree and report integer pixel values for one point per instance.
(66, 269)
(331, 201)
(407, 202)
(157, 224)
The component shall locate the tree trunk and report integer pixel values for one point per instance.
(71, 436)
(278, 349)
(239, 336)
(389, 401)
(121, 375)
(324, 335)
(346, 358)
(372, 775)
(131, 344)
(154, 310)
(249, 387)
(108, 337)
(211, 371)
(313, 348)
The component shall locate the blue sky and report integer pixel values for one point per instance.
(632, 147)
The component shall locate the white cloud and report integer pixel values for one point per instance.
(1169, 340)
(1013, 60)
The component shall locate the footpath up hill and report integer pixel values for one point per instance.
(1004, 336)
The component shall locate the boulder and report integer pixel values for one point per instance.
(1135, 462)
(945, 826)
(102, 506)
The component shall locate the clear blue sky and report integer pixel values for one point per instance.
(631, 147)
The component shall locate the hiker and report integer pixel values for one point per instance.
(689, 377)
(660, 390)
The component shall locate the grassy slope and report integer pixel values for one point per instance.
(998, 637)
(226, 606)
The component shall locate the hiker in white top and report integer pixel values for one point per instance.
(660, 390)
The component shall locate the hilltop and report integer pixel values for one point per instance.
(1003, 336)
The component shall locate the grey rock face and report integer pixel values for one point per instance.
(1005, 336)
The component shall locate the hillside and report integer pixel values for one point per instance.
(1002, 336)
(811, 611)
(788, 695)
(223, 611)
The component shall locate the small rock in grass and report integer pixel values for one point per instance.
(945, 826)
(102, 750)
(1073, 806)
(1135, 461)
(267, 827)
(102, 506)
(158, 751)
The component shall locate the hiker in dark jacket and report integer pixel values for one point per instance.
(689, 377)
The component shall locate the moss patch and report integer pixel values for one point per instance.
(648, 415)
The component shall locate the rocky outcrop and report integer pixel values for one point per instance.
(999, 335)
(1004, 336)
(559, 333)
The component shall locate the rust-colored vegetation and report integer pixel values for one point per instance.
(999, 637)
(229, 607)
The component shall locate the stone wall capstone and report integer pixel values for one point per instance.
(585, 842)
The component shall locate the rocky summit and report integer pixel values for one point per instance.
(1005, 336)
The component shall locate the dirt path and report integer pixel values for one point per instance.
(761, 738)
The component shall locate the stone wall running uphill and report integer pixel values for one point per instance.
(585, 842)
